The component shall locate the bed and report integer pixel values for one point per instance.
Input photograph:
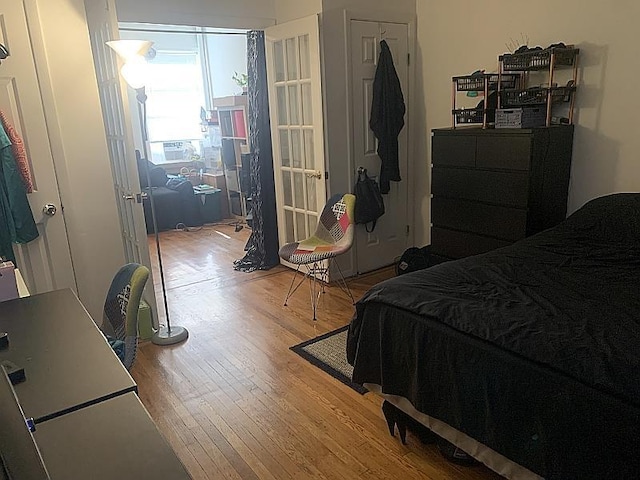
(529, 354)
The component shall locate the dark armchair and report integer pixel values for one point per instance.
(174, 199)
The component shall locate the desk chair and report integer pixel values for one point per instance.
(333, 236)
(120, 319)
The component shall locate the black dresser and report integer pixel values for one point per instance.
(492, 187)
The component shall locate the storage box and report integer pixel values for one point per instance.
(8, 283)
(521, 117)
(145, 321)
(469, 115)
(538, 59)
(209, 203)
(465, 83)
(535, 96)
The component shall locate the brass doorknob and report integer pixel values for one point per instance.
(317, 174)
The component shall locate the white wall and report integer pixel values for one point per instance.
(227, 54)
(398, 6)
(218, 13)
(79, 150)
(455, 38)
(292, 9)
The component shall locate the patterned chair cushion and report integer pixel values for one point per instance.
(333, 235)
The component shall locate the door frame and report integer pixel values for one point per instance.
(410, 21)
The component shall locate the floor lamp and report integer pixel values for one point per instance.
(134, 72)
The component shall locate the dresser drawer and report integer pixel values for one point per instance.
(511, 152)
(456, 244)
(453, 150)
(501, 222)
(502, 188)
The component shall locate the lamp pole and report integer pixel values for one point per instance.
(133, 71)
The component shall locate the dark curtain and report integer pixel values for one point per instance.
(262, 247)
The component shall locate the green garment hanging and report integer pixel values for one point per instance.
(16, 219)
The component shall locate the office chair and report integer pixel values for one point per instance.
(333, 236)
(120, 319)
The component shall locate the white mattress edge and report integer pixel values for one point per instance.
(492, 459)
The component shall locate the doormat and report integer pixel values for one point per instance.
(329, 353)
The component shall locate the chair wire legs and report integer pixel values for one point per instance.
(318, 275)
(342, 283)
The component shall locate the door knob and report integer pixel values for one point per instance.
(49, 209)
(317, 174)
(128, 196)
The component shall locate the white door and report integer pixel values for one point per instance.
(45, 262)
(295, 105)
(389, 239)
(103, 27)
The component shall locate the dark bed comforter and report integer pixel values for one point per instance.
(533, 349)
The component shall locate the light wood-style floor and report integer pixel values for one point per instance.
(235, 403)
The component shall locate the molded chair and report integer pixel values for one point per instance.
(120, 320)
(333, 236)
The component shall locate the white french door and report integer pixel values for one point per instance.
(45, 262)
(295, 106)
(103, 26)
(389, 239)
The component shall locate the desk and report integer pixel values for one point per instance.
(67, 361)
(112, 439)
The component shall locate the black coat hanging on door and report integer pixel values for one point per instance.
(387, 116)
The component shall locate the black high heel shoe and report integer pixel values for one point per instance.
(394, 416)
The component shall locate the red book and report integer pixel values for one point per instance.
(238, 124)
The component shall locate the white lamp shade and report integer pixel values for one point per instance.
(135, 72)
(129, 49)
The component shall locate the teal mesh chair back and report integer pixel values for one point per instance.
(121, 308)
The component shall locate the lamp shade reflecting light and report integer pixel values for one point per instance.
(129, 49)
(135, 72)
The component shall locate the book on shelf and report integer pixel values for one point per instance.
(239, 129)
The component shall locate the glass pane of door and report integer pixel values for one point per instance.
(294, 117)
(288, 221)
(298, 188)
(286, 186)
(284, 148)
(281, 93)
(301, 222)
(306, 102)
(278, 52)
(305, 64)
(309, 153)
(292, 54)
(296, 148)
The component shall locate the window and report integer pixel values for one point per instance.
(189, 66)
(175, 96)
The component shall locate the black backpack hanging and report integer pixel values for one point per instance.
(369, 203)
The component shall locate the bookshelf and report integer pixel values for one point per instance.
(232, 115)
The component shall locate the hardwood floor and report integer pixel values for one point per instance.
(233, 400)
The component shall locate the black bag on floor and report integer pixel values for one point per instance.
(413, 259)
(369, 203)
